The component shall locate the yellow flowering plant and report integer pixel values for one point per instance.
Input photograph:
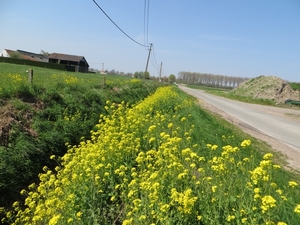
(147, 164)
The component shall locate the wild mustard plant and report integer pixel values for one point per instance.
(11, 83)
(142, 166)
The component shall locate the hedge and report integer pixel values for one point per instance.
(38, 64)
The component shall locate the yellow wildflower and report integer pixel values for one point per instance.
(214, 147)
(245, 143)
(230, 217)
(214, 188)
(292, 184)
(268, 156)
(297, 209)
(267, 202)
(54, 220)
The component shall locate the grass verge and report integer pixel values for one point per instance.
(36, 120)
(163, 161)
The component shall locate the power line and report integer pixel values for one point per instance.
(146, 20)
(154, 64)
(117, 25)
(155, 57)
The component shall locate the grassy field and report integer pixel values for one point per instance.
(59, 107)
(13, 75)
(162, 160)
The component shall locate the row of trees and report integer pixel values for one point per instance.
(211, 80)
(138, 74)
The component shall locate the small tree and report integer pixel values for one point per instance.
(112, 72)
(45, 53)
(172, 78)
(16, 55)
(146, 75)
(136, 74)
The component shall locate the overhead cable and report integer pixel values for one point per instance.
(146, 20)
(155, 57)
(117, 25)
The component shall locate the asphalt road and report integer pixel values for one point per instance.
(283, 129)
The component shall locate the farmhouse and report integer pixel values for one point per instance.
(6, 53)
(24, 55)
(70, 62)
(79, 62)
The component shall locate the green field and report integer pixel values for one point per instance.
(162, 160)
(58, 107)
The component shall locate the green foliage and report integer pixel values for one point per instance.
(45, 53)
(172, 78)
(58, 108)
(295, 86)
(146, 75)
(162, 161)
(15, 55)
(19, 163)
(138, 74)
(36, 64)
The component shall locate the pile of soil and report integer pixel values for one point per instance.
(267, 87)
(9, 115)
(6, 119)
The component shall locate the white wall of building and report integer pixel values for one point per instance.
(4, 53)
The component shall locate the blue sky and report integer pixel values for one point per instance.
(245, 38)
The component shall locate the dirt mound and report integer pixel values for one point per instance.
(9, 115)
(6, 119)
(267, 87)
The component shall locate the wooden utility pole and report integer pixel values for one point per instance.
(160, 71)
(148, 57)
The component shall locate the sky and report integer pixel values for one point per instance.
(243, 38)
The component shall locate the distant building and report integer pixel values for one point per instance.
(79, 62)
(25, 55)
(33, 56)
(6, 53)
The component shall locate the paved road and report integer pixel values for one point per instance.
(283, 129)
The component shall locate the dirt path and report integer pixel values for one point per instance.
(291, 155)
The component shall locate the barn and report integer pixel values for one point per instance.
(79, 62)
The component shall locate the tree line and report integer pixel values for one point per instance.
(211, 80)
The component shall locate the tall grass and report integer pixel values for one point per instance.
(39, 119)
(163, 161)
(295, 85)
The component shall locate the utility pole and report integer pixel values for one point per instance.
(160, 71)
(148, 57)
